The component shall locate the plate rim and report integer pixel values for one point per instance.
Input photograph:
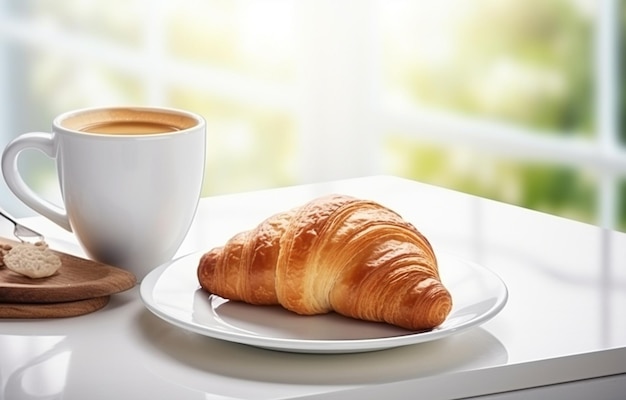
(321, 345)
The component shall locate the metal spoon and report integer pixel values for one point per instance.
(21, 232)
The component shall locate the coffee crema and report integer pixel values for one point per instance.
(128, 121)
(129, 128)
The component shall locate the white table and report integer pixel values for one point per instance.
(561, 334)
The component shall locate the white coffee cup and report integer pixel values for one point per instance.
(130, 179)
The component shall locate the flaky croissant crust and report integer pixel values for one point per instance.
(335, 253)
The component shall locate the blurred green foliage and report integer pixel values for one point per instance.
(553, 189)
(523, 62)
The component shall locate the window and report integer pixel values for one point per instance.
(513, 100)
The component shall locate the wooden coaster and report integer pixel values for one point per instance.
(52, 310)
(77, 279)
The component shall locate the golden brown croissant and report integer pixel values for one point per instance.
(335, 253)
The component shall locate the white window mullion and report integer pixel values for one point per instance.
(9, 202)
(607, 85)
(511, 141)
(335, 122)
(154, 53)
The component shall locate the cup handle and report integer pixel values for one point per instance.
(44, 143)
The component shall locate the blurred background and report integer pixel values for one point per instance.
(514, 100)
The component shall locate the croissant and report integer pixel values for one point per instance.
(336, 253)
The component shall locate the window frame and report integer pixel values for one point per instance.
(356, 114)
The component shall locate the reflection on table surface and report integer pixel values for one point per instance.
(34, 367)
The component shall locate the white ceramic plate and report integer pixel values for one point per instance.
(172, 293)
